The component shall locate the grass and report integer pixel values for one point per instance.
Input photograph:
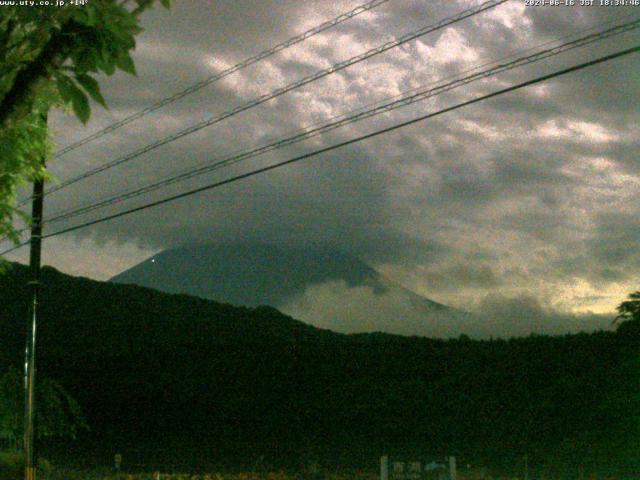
(11, 468)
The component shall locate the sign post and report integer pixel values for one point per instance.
(117, 460)
(384, 467)
(429, 468)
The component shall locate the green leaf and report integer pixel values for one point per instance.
(81, 16)
(62, 81)
(86, 60)
(166, 3)
(92, 15)
(91, 86)
(71, 93)
(125, 63)
(108, 64)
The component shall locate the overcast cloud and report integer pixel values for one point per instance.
(530, 198)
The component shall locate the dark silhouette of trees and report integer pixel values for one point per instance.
(58, 414)
(629, 313)
(630, 309)
(177, 376)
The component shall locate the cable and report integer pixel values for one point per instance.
(341, 144)
(218, 76)
(356, 115)
(398, 102)
(306, 132)
(281, 91)
(401, 101)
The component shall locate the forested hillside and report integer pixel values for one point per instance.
(171, 378)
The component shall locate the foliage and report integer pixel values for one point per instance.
(629, 313)
(630, 309)
(12, 466)
(18, 146)
(51, 56)
(57, 413)
(67, 474)
(186, 377)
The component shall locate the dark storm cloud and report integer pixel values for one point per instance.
(617, 241)
(532, 187)
(472, 274)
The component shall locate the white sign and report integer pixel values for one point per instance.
(396, 468)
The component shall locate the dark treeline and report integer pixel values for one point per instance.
(176, 380)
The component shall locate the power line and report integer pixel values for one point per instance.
(397, 102)
(218, 76)
(341, 144)
(281, 91)
(361, 113)
(307, 132)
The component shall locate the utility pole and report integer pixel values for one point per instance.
(30, 350)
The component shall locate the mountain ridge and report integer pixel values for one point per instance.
(157, 372)
(262, 274)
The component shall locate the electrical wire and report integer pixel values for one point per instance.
(361, 113)
(224, 73)
(339, 145)
(283, 90)
(397, 102)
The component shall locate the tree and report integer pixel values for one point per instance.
(629, 313)
(50, 56)
(58, 414)
(630, 310)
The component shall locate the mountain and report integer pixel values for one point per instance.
(294, 280)
(174, 381)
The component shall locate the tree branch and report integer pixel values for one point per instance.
(52, 56)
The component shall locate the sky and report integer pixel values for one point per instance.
(526, 202)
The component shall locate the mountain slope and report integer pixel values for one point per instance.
(249, 275)
(287, 279)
